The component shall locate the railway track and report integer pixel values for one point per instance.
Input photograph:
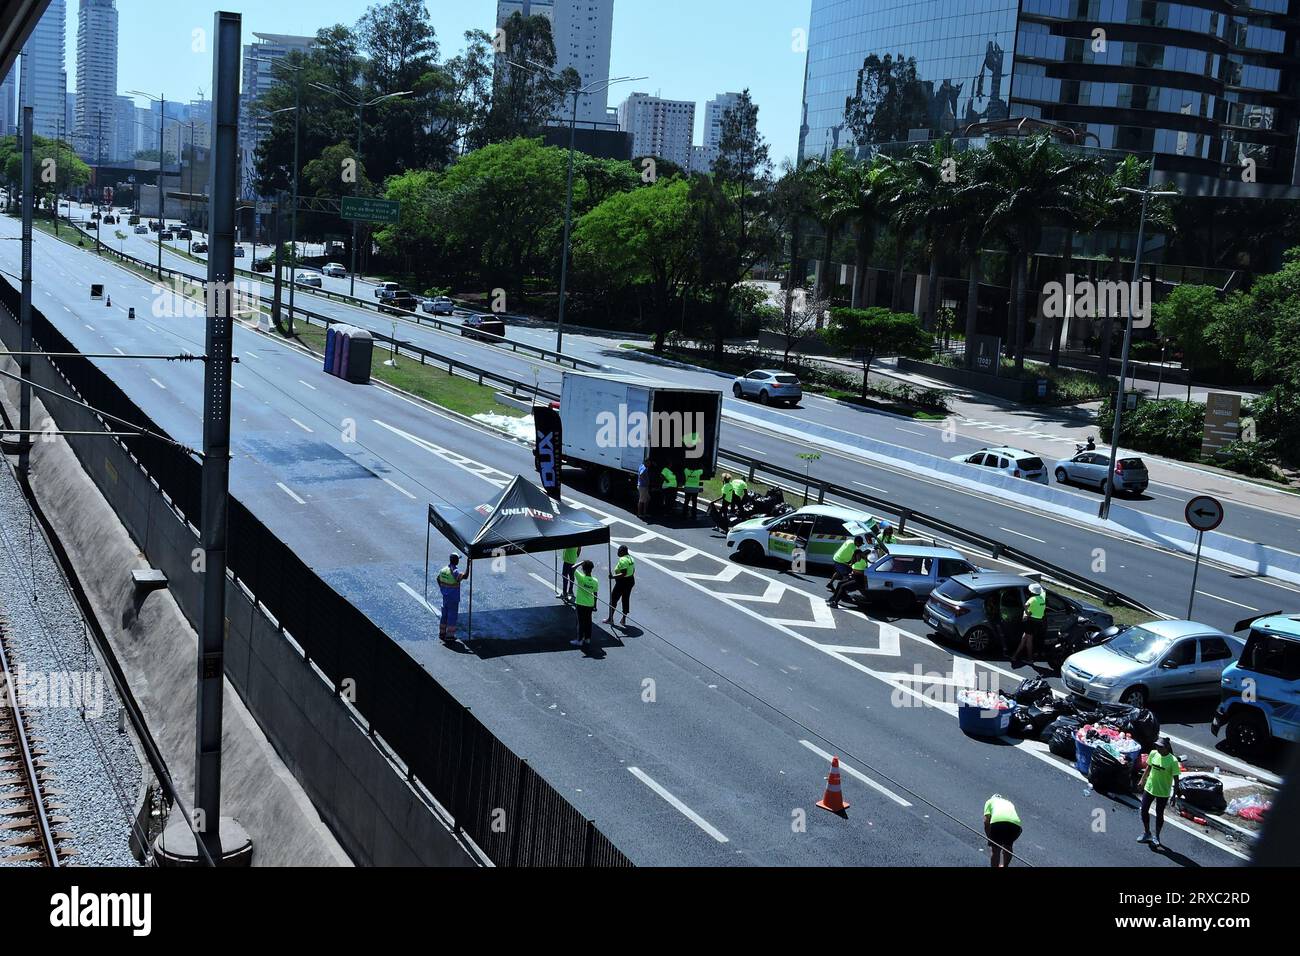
(27, 813)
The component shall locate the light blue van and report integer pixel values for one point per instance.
(1260, 692)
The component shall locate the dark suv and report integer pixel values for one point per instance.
(399, 302)
(983, 613)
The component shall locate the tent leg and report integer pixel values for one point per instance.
(469, 618)
(426, 564)
(609, 571)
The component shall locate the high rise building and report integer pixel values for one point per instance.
(146, 129)
(9, 103)
(706, 155)
(1210, 88)
(123, 128)
(96, 128)
(42, 80)
(260, 75)
(582, 31)
(69, 117)
(659, 127)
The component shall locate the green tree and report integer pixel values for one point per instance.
(1182, 319)
(867, 333)
(523, 100)
(833, 203)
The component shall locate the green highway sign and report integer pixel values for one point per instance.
(366, 209)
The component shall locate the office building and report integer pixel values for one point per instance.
(260, 74)
(1210, 88)
(706, 154)
(659, 127)
(123, 128)
(9, 103)
(582, 32)
(42, 80)
(96, 110)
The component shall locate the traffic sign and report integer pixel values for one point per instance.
(366, 209)
(1204, 513)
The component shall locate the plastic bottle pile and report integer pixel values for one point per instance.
(1114, 741)
(1251, 807)
(982, 699)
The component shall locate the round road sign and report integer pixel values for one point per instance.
(1204, 513)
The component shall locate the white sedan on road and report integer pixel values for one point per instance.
(1012, 462)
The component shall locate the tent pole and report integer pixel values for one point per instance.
(426, 563)
(469, 619)
(609, 573)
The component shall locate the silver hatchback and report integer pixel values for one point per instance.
(1093, 468)
(1160, 660)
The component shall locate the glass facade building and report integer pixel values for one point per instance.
(1211, 86)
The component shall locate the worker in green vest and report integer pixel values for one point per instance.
(720, 510)
(624, 578)
(886, 533)
(1034, 625)
(569, 564)
(669, 486)
(691, 487)
(739, 489)
(449, 579)
(586, 589)
(1001, 827)
(842, 558)
(857, 577)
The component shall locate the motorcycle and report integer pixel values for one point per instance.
(772, 504)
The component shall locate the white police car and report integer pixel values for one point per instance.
(815, 530)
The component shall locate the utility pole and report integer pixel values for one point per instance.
(99, 173)
(25, 310)
(162, 223)
(277, 262)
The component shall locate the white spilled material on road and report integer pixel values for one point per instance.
(520, 427)
(680, 807)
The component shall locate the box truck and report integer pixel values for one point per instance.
(612, 424)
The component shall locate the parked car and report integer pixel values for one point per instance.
(166, 236)
(983, 612)
(308, 278)
(334, 270)
(110, 220)
(133, 221)
(1012, 462)
(483, 327)
(1259, 693)
(184, 234)
(262, 265)
(908, 573)
(200, 247)
(384, 288)
(1093, 467)
(768, 386)
(438, 305)
(815, 530)
(141, 230)
(1158, 660)
(239, 252)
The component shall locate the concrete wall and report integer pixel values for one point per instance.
(374, 813)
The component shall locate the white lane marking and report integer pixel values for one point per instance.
(308, 384)
(858, 774)
(118, 350)
(289, 491)
(756, 451)
(251, 354)
(862, 484)
(681, 808)
(549, 585)
(910, 431)
(150, 327)
(419, 599)
(1159, 495)
(89, 326)
(393, 484)
(1023, 535)
(1226, 601)
(158, 383)
(300, 425)
(236, 384)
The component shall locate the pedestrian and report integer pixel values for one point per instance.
(842, 558)
(669, 485)
(1032, 625)
(722, 506)
(643, 491)
(624, 578)
(1158, 783)
(586, 588)
(1002, 827)
(449, 579)
(569, 563)
(691, 487)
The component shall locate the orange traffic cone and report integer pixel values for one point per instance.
(833, 799)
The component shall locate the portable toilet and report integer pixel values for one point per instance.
(360, 353)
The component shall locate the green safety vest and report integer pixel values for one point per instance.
(1036, 606)
(727, 492)
(571, 555)
(447, 577)
(860, 564)
(625, 567)
(587, 588)
(670, 479)
(844, 553)
(694, 478)
(739, 486)
(1001, 810)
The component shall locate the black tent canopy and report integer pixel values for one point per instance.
(523, 519)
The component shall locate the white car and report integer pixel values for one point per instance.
(438, 305)
(334, 270)
(769, 386)
(1012, 462)
(816, 530)
(308, 278)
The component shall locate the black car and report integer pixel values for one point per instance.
(398, 302)
(261, 265)
(483, 327)
(153, 225)
(166, 235)
(200, 247)
(184, 234)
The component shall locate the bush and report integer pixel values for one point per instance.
(1169, 427)
(1252, 458)
(1277, 421)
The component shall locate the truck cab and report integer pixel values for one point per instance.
(1259, 693)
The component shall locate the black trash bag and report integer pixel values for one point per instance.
(1109, 774)
(1203, 791)
(1059, 735)
(1032, 690)
(1145, 728)
(1039, 717)
(1021, 725)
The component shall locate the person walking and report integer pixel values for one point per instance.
(569, 563)
(624, 578)
(586, 589)
(691, 487)
(1002, 828)
(1033, 625)
(643, 491)
(449, 579)
(1158, 783)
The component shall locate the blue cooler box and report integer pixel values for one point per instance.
(979, 722)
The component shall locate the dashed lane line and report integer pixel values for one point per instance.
(677, 805)
(858, 774)
(289, 491)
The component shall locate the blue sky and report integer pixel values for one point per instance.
(689, 49)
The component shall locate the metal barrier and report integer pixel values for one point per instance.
(445, 748)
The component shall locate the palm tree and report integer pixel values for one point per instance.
(925, 198)
(1040, 185)
(866, 182)
(977, 195)
(832, 205)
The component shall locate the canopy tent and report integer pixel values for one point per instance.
(523, 519)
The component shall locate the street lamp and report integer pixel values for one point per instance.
(1146, 193)
(359, 105)
(538, 69)
(161, 100)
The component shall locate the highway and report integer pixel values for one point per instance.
(699, 736)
